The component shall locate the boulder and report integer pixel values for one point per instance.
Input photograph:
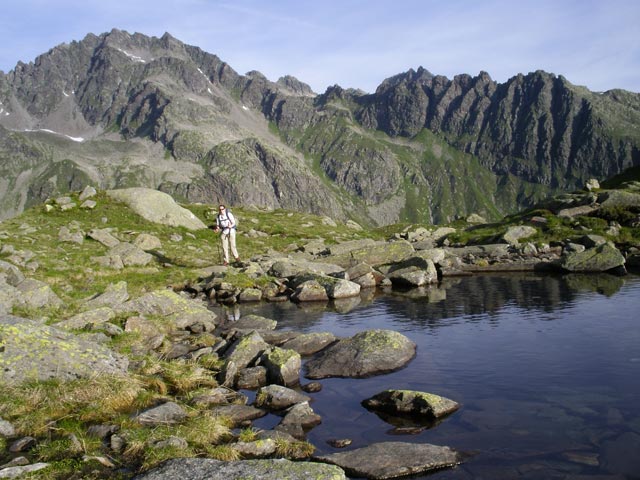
(251, 322)
(362, 274)
(278, 397)
(414, 272)
(310, 291)
(314, 247)
(146, 242)
(246, 350)
(340, 288)
(250, 295)
(174, 442)
(13, 274)
(283, 366)
(351, 245)
(251, 378)
(114, 295)
(418, 235)
(37, 294)
(283, 268)
(590, 241)
(238, 415)
(334, 287)
(597, 259)
(20, 470)
(157, 207)
(582, 210)
(367, 353)
(619, 198)
(408, 402)
(495, 251)
(476, 219)
(255, 449)
(414, 276)
(183, 312)
(7, 430)
(301, 414)
(517, 233)
(441, 233)
(592, 184)
(272, 469)
(436, 255)
(375, 254)
(66, 235)
(88, 205)
(130, 255)
(104, 237)
(219, 396)
(310, 343)
(168, 413)
(87, 192)
(9, 296)
(392, 459)
(31, 350)
(88, 318)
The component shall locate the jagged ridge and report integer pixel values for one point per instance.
(156, 112)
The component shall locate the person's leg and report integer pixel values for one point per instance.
(224, 238)
(232, 243)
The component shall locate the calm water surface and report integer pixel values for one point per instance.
(546, 369)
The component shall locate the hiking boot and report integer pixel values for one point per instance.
(238, 259)
(226, 264)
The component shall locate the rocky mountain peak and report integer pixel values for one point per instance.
(295, 86)
(122, 110)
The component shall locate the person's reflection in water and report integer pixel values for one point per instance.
(233, 313)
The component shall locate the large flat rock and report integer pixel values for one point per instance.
(32, 351)
(275, 469)
(157, 207)
(392, 459)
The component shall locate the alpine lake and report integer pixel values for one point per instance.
(546, 369)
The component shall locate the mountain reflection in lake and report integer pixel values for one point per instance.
(546, 369)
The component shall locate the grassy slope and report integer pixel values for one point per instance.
(56, 412)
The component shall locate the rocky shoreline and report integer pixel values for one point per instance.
(250, 353)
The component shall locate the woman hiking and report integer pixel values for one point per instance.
(226, 225)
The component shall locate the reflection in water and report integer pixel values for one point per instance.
(545, 368)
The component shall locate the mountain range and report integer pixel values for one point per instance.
(121, 110)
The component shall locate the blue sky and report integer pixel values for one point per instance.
(357, 43)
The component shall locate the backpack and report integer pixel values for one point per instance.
(226, 214)
(235, 218)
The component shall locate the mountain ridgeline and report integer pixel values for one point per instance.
(121, 110)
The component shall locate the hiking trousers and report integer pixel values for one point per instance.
(228, 238)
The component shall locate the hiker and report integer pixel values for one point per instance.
(226, 225)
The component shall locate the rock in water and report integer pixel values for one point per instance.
(367, 353)
(408, 402)
(598, 259)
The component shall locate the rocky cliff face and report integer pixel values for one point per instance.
(120, 110)
(538, 127)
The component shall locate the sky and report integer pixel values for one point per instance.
(358, 43)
